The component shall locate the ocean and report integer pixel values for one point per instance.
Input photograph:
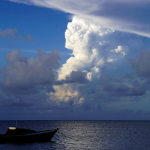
(85, 135)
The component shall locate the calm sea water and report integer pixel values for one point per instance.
(84, 135)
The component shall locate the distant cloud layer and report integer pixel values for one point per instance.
(12, 34)
(124, 15)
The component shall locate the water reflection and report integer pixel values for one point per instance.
(104, 135)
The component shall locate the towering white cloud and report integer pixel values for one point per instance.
(91, 48)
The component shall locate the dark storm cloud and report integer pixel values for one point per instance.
(74, 77)
(77, 76)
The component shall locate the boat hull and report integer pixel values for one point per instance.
(43, 136)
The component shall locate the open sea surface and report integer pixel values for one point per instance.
(85, 135)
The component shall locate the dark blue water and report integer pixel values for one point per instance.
(84, 135)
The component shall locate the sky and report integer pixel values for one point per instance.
(74, 60)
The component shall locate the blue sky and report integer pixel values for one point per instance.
(85, 60)
(46, 27)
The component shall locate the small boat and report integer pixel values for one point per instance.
(22, 135)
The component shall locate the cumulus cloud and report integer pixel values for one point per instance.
(65, 93)
(91, 46)
(120, 49)
(132, 16)
(75, 95)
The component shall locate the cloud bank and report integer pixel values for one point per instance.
(32, 84)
